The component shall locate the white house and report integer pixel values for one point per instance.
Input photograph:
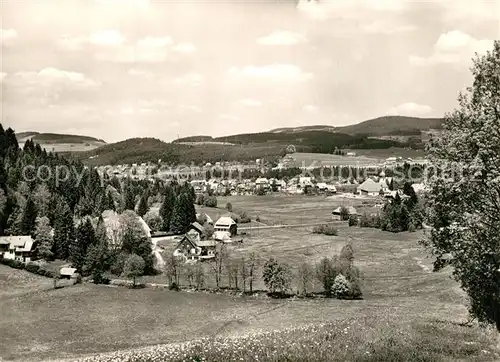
(262, 183)
(227, 224)
(17, 247)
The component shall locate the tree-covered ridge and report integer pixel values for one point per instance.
(241, 148)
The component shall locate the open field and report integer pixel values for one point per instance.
(69, 147)
(407, 310)
(391, 152)
(300, 159)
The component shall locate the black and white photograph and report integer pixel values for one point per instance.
(249, 180)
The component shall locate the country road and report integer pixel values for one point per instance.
(248, 228)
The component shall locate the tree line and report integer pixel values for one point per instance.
(337, 275)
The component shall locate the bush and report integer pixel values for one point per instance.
(344, 213)
(13, 263)
(174, 286)
(229, 207)
(32, 268)
(244, 218)
(200, 199)
(210, 201)
(340, 287)
(325, 229)
(370, 221)
(353, 220)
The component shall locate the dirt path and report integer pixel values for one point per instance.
(283, 226)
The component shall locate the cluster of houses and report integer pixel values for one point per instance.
(296, 185)
(194, 246)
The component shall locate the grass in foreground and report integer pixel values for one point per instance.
(347, 340)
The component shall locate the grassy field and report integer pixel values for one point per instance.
(391, 152)
(68, 147)
(408, 314)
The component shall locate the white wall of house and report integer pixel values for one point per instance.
(9, 255)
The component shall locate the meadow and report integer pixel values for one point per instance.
(408, 313)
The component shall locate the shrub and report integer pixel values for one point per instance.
(370, 221)
(257, 218)
(325, 229)
(13, 263)
(340, 287)
(229, 207)
(200, 199)
(174, 286)
(244, 218)
(32, 268)
(210, 201)
(344, 213)
(353, 220)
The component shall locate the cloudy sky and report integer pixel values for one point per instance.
(116, 69)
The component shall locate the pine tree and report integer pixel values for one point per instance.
(13, 226)
(85, 236)
(29, 217)
(11, 140)
(96, 260)
(64, 230)
(129, 198)
(109, 203)
(43, 238)
(143, 207)
(167, 208)
(183, 214)
(3, 142)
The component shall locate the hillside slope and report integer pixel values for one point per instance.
(392, 125)
(54, 138)
(387, 125)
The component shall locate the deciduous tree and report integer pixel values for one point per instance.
(464, 207)
(134, 267)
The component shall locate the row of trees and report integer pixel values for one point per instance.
(337, 275)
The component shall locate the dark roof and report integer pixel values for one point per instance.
(189, 239)
(196, 225)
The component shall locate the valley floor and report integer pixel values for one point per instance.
(408, 314)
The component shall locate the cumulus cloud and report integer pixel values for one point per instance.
(276, 72)
(110, 37)
(309, 108)
(155, 42)
(409, 109)
(282, 38)
(185, 108)
(249, 102)
(184, 48)
(107, 37)
(191, 79)
(453, 47)
(48, 76)
(112, 46)
(7, 35)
